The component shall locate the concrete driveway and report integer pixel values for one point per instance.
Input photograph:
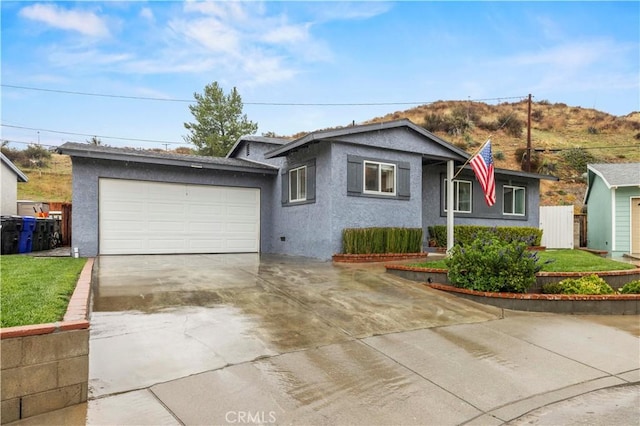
(248, 339)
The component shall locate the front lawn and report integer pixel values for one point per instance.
(36, 290)
(561, 261)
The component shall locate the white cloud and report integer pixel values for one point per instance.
(287, 34)
(347, 11)
(84, 22)
(147, 14)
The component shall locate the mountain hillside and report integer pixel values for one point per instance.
(564, 140)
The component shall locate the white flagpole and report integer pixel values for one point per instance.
(450, 170)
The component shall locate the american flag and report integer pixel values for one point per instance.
(482, 165)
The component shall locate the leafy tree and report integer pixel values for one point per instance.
(219, 121)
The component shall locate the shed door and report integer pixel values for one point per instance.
(140, 217)
(635, 225)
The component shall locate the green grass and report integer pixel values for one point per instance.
(562, 261)
(36, 290)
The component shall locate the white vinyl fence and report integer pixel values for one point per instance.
(556, 223)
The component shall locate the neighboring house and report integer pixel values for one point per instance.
(613, 208)
(10, 176)
(273, 195)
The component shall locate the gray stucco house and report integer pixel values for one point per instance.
(613, 208)
(274, 195)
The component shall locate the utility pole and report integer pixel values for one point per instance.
(529, 134)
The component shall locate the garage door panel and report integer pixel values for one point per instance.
(138, 217)
(241, 229)
(163, 227)
(206, 227)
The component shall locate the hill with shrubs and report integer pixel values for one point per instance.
(564, 140)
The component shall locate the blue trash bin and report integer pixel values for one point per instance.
(25, 245)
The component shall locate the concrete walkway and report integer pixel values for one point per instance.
(243, 339)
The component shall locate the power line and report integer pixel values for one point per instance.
(146, 98)
(91, 135)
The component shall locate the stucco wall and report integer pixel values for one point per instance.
(87, 172)
(315, 229)
(304, 229)
(9, 189)
(363, 212)
(434, 214)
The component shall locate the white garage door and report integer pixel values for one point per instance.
(138, 217)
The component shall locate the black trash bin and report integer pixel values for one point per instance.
(50, 233)
(11, 227)
(40, 235)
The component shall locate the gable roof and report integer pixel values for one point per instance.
(85, 150)
(21, 176)
(332, 134)
(456, 153)
(614, 175)
(254, 138)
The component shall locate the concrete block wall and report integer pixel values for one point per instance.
(45, 367)
(43, 373)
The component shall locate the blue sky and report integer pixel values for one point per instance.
(579, 53)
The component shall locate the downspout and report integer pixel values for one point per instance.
(450, 167)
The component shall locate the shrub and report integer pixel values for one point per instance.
(590, 284)
(512, 125)
(578, 158)
(465, 234)
(434, 123)
(632, 287)
(490, 263)
(381, 240)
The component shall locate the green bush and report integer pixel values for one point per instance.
(632, 287)
(578, 158)
(465, 234)
(381, 240)
(590, 284)
(490, 263)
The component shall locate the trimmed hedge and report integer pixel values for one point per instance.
(466, 234)
(381, 240)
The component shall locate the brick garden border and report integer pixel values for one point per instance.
(45, 367)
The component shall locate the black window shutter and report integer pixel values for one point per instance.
(285, 187)
(354, 175)
(404, 180)
(311, 181)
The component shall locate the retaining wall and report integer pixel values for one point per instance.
(613, 304)
(45, 367)
(616, 279)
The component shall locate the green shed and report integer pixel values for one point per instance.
(613, 208)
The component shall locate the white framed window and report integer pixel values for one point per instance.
(513, 200)
(379, 178)
(462, 190)
(298, 184)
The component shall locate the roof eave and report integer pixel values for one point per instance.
(20, 175)
(187, 163)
